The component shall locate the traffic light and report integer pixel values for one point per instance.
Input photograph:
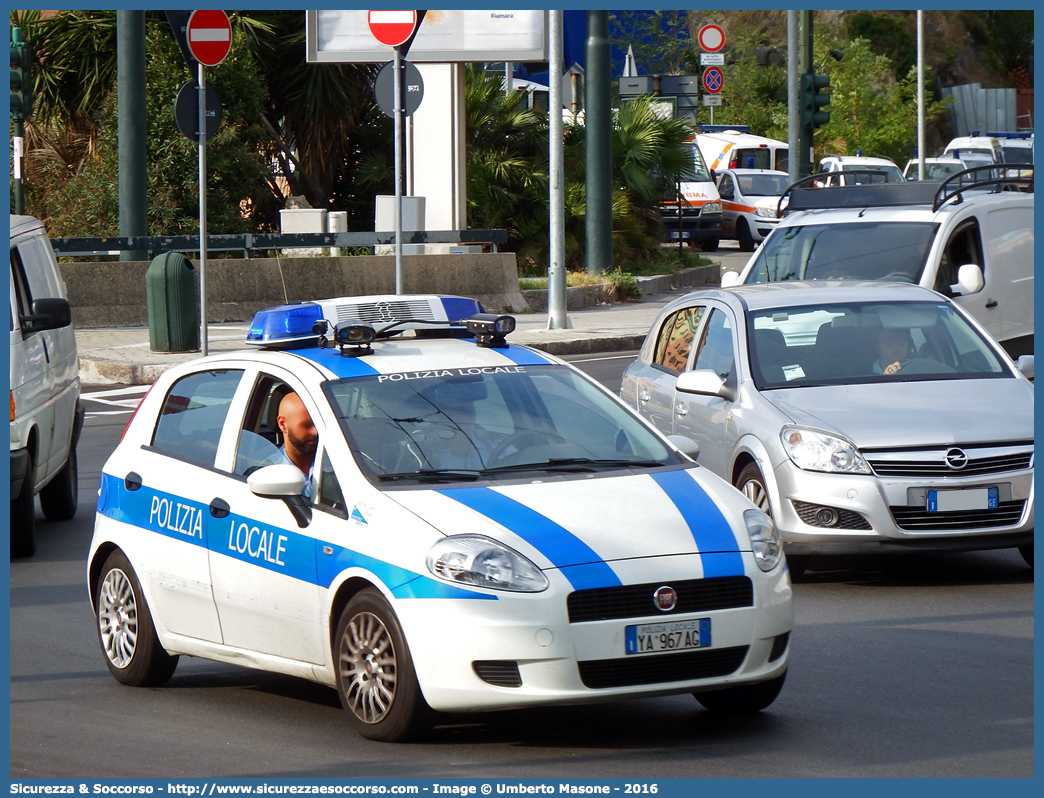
(813, 99)
(21, 81)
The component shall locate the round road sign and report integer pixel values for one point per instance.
(392, 27)
(209, 36)
(186, 111)
(711, 38)
(713, 79)
(412, 89)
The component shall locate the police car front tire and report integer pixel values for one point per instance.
(125, 630)
(743, 698)
(376, 680)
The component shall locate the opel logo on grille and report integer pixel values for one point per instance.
(665, 598)
(956, 459)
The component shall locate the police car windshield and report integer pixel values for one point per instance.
(891, 251)
(484, 423)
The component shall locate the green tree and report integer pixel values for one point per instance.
(870, 110)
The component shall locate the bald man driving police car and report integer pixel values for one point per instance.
(300, 437)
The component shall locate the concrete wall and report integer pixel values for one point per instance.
(112, 294)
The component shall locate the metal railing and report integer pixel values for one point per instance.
(249, 243)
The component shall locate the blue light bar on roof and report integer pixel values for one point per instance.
(285, 325)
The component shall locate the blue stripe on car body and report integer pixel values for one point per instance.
(710, 530)
(273, 548)
(558, 544)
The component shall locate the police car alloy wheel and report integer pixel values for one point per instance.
(125, 631)
(375, 678)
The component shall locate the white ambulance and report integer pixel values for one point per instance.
(736, 148)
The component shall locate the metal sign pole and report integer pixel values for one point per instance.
(202, 210)
(397, 100)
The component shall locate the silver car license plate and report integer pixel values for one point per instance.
(654, 638)
(944, 501)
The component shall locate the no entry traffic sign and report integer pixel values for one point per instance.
(209, 36)
(713, 79)
(392, 28)
(711, 38)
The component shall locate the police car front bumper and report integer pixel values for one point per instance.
(522, 650)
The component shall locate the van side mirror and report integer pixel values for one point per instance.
(48, 314)
(969, 280)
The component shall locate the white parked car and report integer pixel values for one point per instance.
(749, 200)
(46, 416)
(868, 170)
(934, 168)
(481, 527)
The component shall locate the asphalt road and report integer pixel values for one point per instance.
(919, 666)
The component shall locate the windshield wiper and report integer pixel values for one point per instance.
(432, 475)
(576, 464)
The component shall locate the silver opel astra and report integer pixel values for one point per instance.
(863, 417)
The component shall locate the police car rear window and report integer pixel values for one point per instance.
(193, 414)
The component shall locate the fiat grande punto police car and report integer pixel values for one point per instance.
(482, 527)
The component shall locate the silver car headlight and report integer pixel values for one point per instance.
(712, 207)
(765, 213)
(481, 561)
(764, 539)
(818, 451)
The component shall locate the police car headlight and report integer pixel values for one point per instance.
(765, 213)
(481, 561)
(764, 539)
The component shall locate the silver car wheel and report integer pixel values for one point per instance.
(756, 492)
(368, 667)
(118, 618)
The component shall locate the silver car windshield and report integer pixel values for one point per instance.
(865, 343)
(892, 251)
(485, 423)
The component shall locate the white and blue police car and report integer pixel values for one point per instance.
(482, 527)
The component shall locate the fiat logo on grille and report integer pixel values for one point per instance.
(956, 459)
(665, 598)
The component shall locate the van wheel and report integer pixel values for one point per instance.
(59, 498)
(125, 629)
(746, 240)
(23, 517)
(709, 245)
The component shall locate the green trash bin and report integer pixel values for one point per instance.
(170, 294)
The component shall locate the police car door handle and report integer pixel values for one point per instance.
(132, 481)
(991, 303)
(681, 410)
(643, 397)
(219, 508)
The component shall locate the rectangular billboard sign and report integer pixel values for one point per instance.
(343, 37)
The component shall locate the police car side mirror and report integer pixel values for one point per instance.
(284, 482)
(730, 278)
(969, 280)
